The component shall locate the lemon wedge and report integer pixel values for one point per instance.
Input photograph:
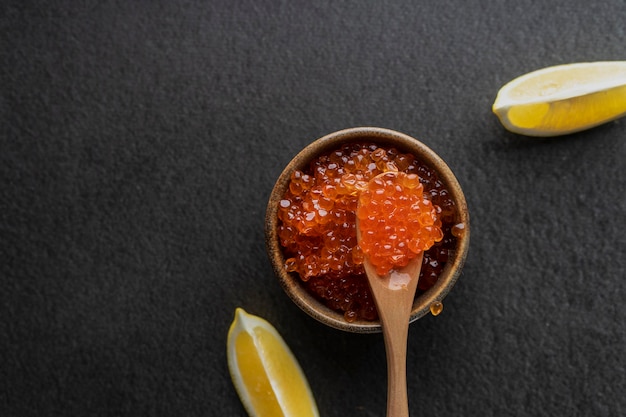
(265, 372)
(563, 99)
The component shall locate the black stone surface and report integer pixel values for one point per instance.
(139, 142)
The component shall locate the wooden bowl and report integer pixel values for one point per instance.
(291, 282)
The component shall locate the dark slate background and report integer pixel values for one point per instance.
(140, 141)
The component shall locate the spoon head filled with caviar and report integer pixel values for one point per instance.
(396, 223)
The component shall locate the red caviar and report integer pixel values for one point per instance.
(396, 221)
(317, 224)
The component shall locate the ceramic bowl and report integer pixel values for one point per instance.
(291, 282)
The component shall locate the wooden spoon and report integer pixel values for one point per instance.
(394, 294)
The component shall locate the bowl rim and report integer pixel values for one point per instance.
(291, 282)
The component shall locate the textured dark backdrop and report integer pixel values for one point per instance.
(139, 142)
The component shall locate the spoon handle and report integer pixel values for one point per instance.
(396, 347)
(394, 295)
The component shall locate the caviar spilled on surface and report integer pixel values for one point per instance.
(317, 224)
(396, 221)
(436, 308)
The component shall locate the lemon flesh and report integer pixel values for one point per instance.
(265, 372)
(563, 99)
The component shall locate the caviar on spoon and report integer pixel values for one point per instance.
(396, 223)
